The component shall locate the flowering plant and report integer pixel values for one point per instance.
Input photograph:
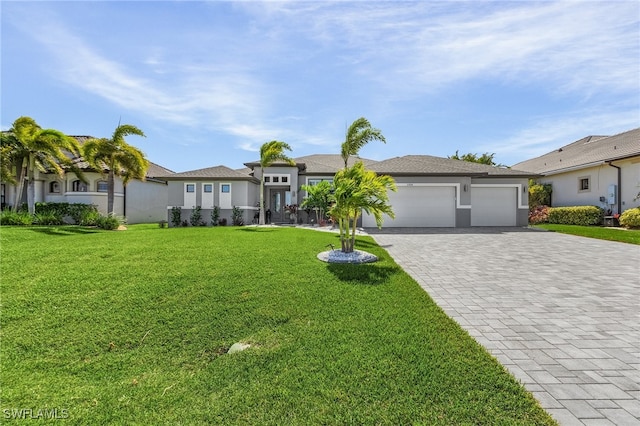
(291, 208)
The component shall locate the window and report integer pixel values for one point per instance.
(191, 187)
(225, 188)
(208, 187)
(78, 186)
(276, 179)
(103, 186)
(583, 184)
(54, 187)
(267, 179)
(285, 179)
(312, 182)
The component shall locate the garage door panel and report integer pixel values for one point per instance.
(419, 206)
(493, 206)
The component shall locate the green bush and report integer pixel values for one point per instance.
(236, 216)
(215, 215)
(176, 214)
(8, 217)
(578, 215)
(539, 194)
(630, 218)
(89, 218)
(109, 222)
(48, 218)
(196, 216)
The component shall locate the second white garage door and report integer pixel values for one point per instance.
(419, 206)
(493, 206)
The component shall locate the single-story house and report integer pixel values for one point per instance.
(139, 202)
(432, 191)
(601, 171)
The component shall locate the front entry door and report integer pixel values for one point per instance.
(279, 199)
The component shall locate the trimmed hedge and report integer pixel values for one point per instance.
(630, 218)
(578, 215)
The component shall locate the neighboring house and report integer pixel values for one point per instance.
(601, 171)
(138, 202)
(214, 186)
(432, 191)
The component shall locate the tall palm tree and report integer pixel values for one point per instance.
(270, 152)
(117, 158)
(32, 148)
(358, 135)
(356, 190)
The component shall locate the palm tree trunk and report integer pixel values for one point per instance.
(31, 186)
(19, 188)
(261, 207)
(110, 191)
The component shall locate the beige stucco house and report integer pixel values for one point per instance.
(600, 171)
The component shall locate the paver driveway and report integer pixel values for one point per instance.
(561, 312)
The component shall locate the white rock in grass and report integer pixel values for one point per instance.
(238, 347)
(337, 256)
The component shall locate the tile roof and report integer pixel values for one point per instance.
(328, 163)
(217, 172)
(585, 152)
(428, 165)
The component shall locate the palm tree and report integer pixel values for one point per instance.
(356, 190)
(117, 158)
(358, 135)
(270, 152)
(31, 148)
(318, 198)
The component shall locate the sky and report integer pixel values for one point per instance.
(209, 82)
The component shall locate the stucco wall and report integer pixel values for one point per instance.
(566, 191)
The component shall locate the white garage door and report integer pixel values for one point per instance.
(493, 206)
(419, 206)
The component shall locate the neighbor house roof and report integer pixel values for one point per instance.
(428, 165)
(217, 172)
(328, 163)
(586, 152)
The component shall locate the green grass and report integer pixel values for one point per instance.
(622, 235)
(132, 327)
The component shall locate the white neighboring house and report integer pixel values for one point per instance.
(601, 171)
(138, 202)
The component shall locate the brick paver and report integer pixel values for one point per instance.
(561, 312)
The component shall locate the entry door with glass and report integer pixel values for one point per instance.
(279, 199)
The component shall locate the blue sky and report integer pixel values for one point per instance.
(209, 82)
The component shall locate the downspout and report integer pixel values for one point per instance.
(619, 188)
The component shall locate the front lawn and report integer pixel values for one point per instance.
(132, 327)
(623, 235)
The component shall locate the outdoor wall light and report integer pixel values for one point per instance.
(465, 187)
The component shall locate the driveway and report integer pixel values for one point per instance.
(560, 312)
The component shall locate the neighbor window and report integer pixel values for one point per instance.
(78, 186)
(103, 186)
(54, 187)
(208, 187)
(583, 184)
(191, 187)
(225, 188)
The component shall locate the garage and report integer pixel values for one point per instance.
(419, 206)
(493, 206)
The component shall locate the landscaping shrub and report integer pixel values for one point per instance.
(82, 212)
(236, 216)
(109, 222)
(89, 218)
(176, 214)
(8, 217)
(48, 218)
(578, 215)
(196, 216)
(215, 215)
(539, 194)
(539, 214)
(630, 218)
